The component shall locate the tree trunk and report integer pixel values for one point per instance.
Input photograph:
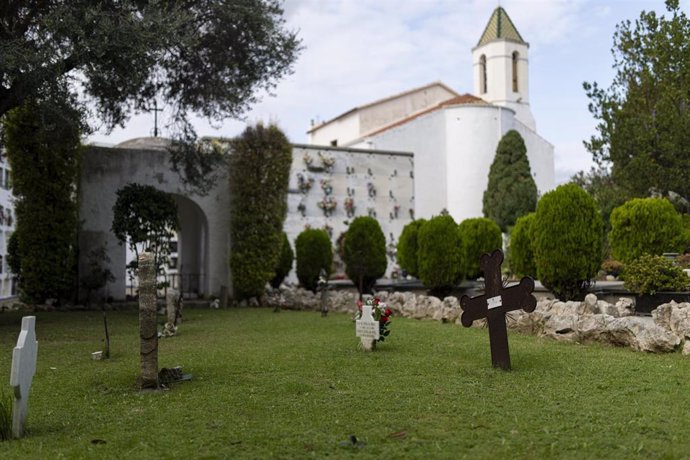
(148, 331)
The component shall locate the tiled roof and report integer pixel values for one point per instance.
(500, 27)
(464, 99)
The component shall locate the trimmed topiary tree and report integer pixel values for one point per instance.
(407, 247)
(568, 241)
(43, 142)
(645, 226)
(259, 174)
(284, 263)
(511, 191)
(438, 255)
(521, 254)
(477, 236)
(364, 253)
(145, 218)
(314, 253)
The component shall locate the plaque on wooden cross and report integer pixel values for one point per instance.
(367, 328)
(23, 370)
(495, 303)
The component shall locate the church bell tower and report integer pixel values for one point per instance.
(500, 67)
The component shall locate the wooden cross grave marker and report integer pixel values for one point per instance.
(23, 370)
(494, 305)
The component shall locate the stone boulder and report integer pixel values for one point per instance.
(641, 334)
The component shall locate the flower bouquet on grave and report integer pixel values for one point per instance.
(327, 204)
(304, 183)
(326, 186)
(349, 204)
(327, 161)
(308, 160)
(380, 312)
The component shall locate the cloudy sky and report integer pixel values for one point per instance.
(357, 51)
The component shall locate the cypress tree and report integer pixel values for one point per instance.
(43, 140)
(259, 174)
(511, 192)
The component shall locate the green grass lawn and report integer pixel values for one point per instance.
(294, 385)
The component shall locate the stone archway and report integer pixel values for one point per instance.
(192, 249)
(203, 257)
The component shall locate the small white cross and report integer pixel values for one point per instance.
(23, 370)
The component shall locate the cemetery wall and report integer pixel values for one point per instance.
(353, 173)
(105, 170)
(8, 282)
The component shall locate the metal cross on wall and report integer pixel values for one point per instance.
(494, 305)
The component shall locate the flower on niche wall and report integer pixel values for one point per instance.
(349, 204)
(327, 205)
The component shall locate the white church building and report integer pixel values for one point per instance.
(454, 136)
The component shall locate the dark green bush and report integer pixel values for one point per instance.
(259, 171)
(284, 263)
(365, 252)
(438, 255)
(477, 236)
(521, 254)
(649, 274)
(407, 247)
(568, 241)
(314, 252)
(645, 226)
(43, 142)
(511, 191)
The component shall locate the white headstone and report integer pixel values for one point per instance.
(23, 370)
(367, 328)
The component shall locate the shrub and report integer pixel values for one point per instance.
(314, 253)
(511, 191)
(521, 255)
(645, 226)
(365, 253)
(649, 274)
(43, 140)
(259, 171)
(477, 236)
(568, 241)
(612, 267)
(284, 263)
(438, 255)
(407, 247)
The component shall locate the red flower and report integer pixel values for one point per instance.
(388, 312)
(384, 319)
(376, 301)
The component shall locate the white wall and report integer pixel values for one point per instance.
(540, 153)
(341, 130)
(473, 133)
(379, 115)
(425, 136)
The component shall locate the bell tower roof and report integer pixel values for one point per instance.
(500, 27)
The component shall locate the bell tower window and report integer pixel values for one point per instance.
(516, 58)
(482, 74)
